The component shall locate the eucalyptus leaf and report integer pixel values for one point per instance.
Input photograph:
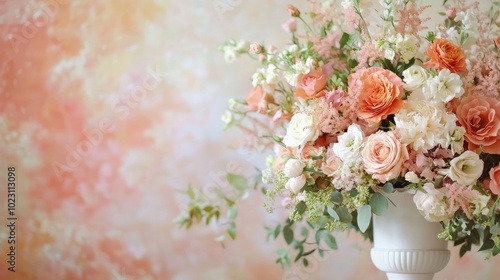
(330, 241)
(232, 213)
(336, 197)
(364, 217)
(344, 214)
(388, 187)
(333, 214)
(379, 204)
(301, 207)
(288, 234)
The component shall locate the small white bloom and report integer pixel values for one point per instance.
(414, 77)
(350, 144)
(293, 167)
(412, 177)
(444, 87)
(454, 36)
(293, 48)
(431, 204)
(389, 54)
(299, 131)
(346, 4)
(227, 118)
(310, 63)
(295, 184)
(466, 168)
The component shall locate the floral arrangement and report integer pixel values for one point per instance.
(355, 108)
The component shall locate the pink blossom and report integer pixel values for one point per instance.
(495, 180)
(451, 12)
(290, 25)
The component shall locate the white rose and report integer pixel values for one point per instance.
(412, 177)
(414, 77)
(466, 168)
(431, 204)
(350, 144)
(296, 183)
(299, 131)
(293, 168)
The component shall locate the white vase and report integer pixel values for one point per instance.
(405, 245)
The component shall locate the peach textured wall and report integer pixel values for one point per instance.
(106, 109)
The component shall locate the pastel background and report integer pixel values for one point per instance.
(107, 108)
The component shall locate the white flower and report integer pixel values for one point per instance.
(406, 45)
(296, 183)
(293, 167)
(350, 144)
(431, 204)
(389, 54)
(346, 4)
(230, 55)
(412, 177)
(469, 22)
(454, 36)
(454, 134)
(466, 168)
(227, 118)
(414, 77)
(299, 131)
(420, 124)
(444, 87)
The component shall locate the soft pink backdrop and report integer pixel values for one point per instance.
(106, 109)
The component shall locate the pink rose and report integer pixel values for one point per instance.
(495, 180)
(480, 116)
(383, 156)
(258, 100)
(293, 11)
(497, 42)
(313, 84)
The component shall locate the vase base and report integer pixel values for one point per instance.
(410, 276)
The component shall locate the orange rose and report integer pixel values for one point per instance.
(379, 95)
(312, 84)
(258, 100)
(480, 116)
(444, 54)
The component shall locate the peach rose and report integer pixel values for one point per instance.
(495, 180)
(379, 95)
(313, 84)
(480, 116)
(258, 100)
(497, 42)
(383, 156)
(444, 54)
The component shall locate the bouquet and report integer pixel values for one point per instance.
(354, 109)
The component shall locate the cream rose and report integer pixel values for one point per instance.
(414, 77)
(293, 168)
(430, 204)
(383, 156)
(296, 183)
(350, 144)
(300, 131)
(466, 168)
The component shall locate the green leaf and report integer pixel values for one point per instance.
(232, 213)
(277, 231)
(305, 262)
(231, 230)
(344, 215)
(237, 181)
(304, 232)
(190, 192)
(344, 39)
(364, 217)
(330, 241)
(379, 204)
(317, 236)
(321, 253)
(301, 207)
(308, 253)
(299, 254)
(388, 187)
(333, 214)
(336, 197)
(288, 234)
